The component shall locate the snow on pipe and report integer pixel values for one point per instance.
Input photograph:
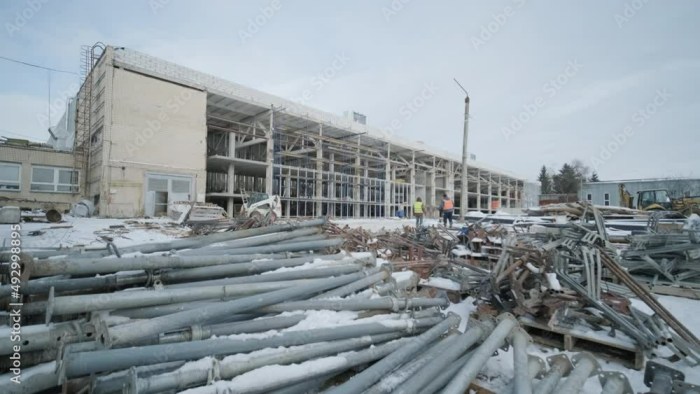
(252, 267)
(188, 243)
(614, 383)
(354, 304)
(389, 383)
(77, 364)
(311, 273)
(66, 305)
(468, 372)
(310, 370)
(228, 369)
(559, 366)
(425, 376)
(585, 366)
(268, 249)
(521, 375)
(127, 333)
(366, 378)
(379, 275)
(259, 240)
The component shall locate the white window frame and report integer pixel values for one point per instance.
(11, 181)
(606, 199)
(55, 182)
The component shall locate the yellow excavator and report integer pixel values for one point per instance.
(659, 200)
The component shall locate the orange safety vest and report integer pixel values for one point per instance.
(418, 207)
(447, 205)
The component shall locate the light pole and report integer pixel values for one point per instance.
(464, 198)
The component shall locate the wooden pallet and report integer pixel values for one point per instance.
(627, 353)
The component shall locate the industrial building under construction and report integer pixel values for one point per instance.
(145, 132)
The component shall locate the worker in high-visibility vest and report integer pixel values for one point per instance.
(447, 208)
(418, 211)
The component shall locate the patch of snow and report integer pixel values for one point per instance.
(441, 283)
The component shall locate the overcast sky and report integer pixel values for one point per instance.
(613, 83)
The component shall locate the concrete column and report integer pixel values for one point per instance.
(430, 197)
(412, 196)
(270, 153)
(318, 188)
(490, 192)
(356, 187)
(387, 183)
(331, 184)
(478, 190)
(450, 181)
(288, 192)
(500, 192)
(231, 180)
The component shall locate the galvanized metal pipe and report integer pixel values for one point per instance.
(614, 383)
(469, 371)
(85, 363)
(42, 286)
(337, 365)
(178, 244)
(259, 240)
(559, 366)
(427, 374)
(585, 365)
(535, 367)
(445, 376)
(379, 274)
(115, 382)
(228, 369)
(252, 267)
(311, 273)
(139, 298)
(389, 383)
(521, 376)
(268, 249)
(33, 379)
(248, 326)
(127, 333)
(369, 376)
(354, 304)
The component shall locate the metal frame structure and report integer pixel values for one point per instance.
(319, 163)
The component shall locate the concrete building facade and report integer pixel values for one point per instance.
(37, 177)
(149, 132)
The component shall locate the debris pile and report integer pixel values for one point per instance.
(668, 262)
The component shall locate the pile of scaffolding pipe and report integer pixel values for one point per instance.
(101, 323)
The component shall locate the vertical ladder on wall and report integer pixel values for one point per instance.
(83, 127)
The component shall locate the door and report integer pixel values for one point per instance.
(162, 190)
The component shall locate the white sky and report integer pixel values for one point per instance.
(614, 84)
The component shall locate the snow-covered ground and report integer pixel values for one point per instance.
(498, 371)
(87, 231)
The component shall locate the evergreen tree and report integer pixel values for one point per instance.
(567, 181)
(545, 181)
(594, 177)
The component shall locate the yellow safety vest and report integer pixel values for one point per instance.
(418, 207)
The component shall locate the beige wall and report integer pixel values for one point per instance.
(27, 157)
(156, 127)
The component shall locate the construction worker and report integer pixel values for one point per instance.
(418, 211)
(447, 207)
